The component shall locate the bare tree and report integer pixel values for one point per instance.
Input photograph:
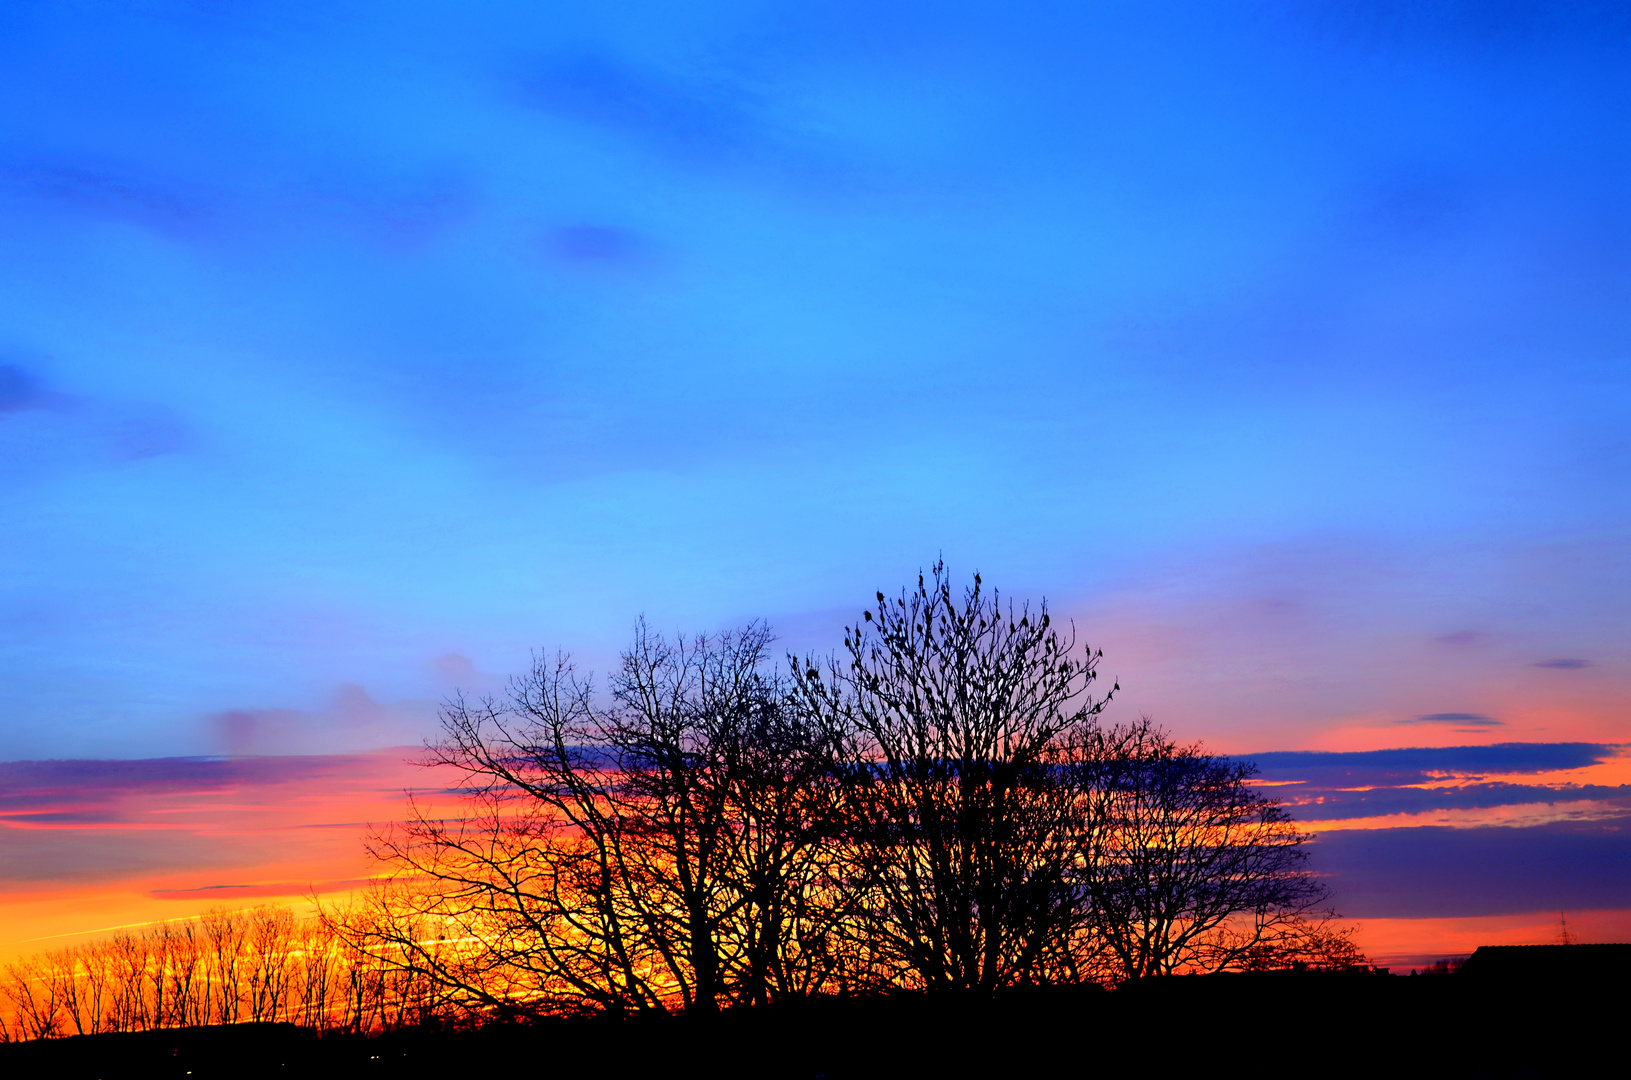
(185, 970)
(784, 937)
(721, 785)
(270, 941)
(676, 732)
(81, 989)
(1187, 866)
(224, 936)
(533, 870)
(128, 961)
(657, 849)
(314, 978)
(952, 722)
(1314, 940)
(35, 994)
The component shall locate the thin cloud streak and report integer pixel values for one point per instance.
(1458, 720)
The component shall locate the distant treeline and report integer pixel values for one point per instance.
(939, 807)
(226, 967)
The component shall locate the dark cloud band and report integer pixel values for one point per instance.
(1442, 872)
(1421, 762)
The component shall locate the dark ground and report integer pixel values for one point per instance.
(1282, 1024)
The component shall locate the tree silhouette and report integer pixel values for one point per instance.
(1187, 867)
(662, 849)
(952, 722)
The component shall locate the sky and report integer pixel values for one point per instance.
(349, 352)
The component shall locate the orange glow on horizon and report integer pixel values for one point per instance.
(295, 833)
(139, 856)
(1406, 943)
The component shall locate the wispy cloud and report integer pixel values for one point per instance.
(18, 389)
(230, 893)
(597, 245)
(109, 192)
(1415, 764)
(688, 117)
(78, 821)
(1458, 720)
(352, 717)
(1317, 805)
(34, 785)
(681, 115)
(44, 430)
(1377, 783)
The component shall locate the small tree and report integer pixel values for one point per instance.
(271, 941)
(224, 935)
(1186, 866)
(35, 993)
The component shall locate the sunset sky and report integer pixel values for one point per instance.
(349, 352)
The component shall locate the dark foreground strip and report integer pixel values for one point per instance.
(1517, 1024)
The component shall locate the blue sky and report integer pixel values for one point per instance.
(349, 351)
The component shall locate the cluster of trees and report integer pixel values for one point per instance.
(226, 967)
(939, 807)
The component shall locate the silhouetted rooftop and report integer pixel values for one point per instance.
(1549, 961)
